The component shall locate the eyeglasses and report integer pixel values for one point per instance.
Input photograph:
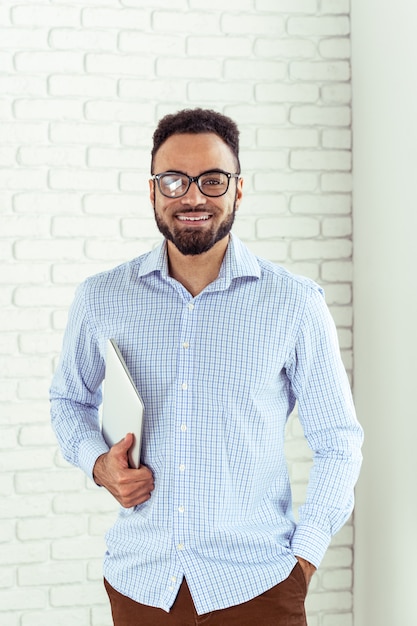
(213, 183)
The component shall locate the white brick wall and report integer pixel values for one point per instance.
(82, 85)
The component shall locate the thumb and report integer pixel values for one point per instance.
(124, 444)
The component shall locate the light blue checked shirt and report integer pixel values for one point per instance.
(219, 375)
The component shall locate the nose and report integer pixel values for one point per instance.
(194, 195)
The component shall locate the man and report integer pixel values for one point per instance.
(221, 344)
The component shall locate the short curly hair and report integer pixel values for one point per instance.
(196, 121)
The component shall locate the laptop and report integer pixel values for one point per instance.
(122, 410)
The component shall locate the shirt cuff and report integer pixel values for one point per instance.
(310, 543)
(89, 451)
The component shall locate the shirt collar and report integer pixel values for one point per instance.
(238, 262)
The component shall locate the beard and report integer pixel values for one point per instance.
(190, 241)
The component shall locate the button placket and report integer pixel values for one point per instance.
(183, 415)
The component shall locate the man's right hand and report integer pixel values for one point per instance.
(129, 486)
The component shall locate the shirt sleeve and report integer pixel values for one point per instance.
(75, 392)
(327, 415)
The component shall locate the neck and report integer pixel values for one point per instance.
(195, 272)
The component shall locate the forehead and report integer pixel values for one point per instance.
(194, 153)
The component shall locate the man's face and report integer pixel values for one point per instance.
(194, 223)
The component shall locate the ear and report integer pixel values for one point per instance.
(152, 191)
(239, 192)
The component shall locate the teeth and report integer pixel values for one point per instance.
(192, 219)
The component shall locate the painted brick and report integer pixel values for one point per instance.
(259, 115)
(285, 48)
(116, 250)
(19, 319)
(235, 5)
(65, 85)
(255, 70)
(23, 85)
(93, 501)
(22, 178)
(336, 182)
(340, 139)
(113, 111)
(288, 137)
(264, 159)
(337, 227)
(23, 132)
(50, 573)
(23, 598)
(320, 160)
(48, 109)
(335, 48)
(339, 204)
(83, 133)
(335, 6)
(188, 67)
(263, 203)
(15, 226)
(151, 43)
(218, 46)
(50, 528)
(339, 294)
(287, 6)
(23, 38)
(288, 227)
(185, 22)
(335, 271)
(116, 18)
(82, 39)
(287, 93)
(337, 93)
(321, 249)
(47, 202)
(56, 61)
(320, 70)
(78, 548)
(323, 116)
(119, 64)
(54, 250)
(48, 155)
(275, 181)
(120, 158)
(318, 26)
(256, 24)
(64, 617)
(43, 15)
(82, 179)
(139, 228)
(156, 90)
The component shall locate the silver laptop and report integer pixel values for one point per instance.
(122, 410)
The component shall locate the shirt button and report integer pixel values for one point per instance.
(180, 546)
(182, 467)
(184, 386)
(173, 579)
(181, 509)
(185, 344)
(183, 428)
(190, 306)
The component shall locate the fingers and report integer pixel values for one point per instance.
(130, 487)
(134, 487)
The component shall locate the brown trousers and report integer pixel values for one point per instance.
(283, 605)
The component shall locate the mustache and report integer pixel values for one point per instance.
(199, 208)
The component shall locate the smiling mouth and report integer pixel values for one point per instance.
(194, 218)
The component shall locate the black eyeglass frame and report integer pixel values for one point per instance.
(195, 179)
